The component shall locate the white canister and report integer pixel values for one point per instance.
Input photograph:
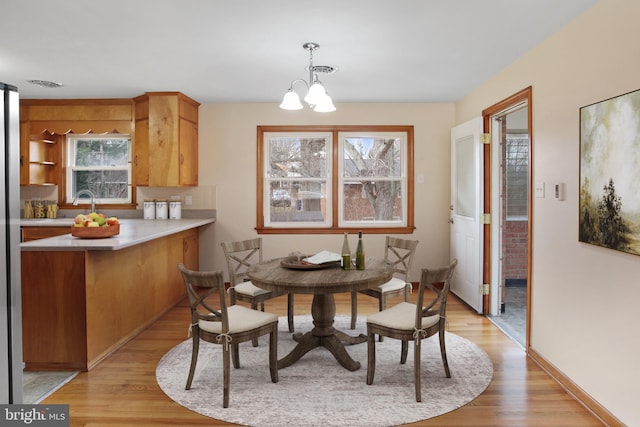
(175, 210)
(162, 209)
(149, 209)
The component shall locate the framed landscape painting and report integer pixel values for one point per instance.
(610, 173)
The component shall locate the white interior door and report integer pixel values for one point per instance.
(466, 210)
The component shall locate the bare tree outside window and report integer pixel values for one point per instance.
(372, 179)
(297, 173)
(516, 163)
(315, 178)
(100, 164)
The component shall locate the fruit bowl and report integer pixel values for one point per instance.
(95, 232)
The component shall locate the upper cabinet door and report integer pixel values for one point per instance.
(141, 142)
(166, 141)
(188, 153)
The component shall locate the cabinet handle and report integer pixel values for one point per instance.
(135, 160)
(21, 160)
(182, 159)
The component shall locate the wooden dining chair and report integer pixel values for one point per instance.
(240, 256)
(227, 326)
(399, 252)
(414, 322)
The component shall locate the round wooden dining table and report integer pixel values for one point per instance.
(322, 283)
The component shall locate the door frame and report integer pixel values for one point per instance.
(517, 98)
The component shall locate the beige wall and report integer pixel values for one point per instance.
(227, 134)
(585, 298)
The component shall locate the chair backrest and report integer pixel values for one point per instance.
(199, 285)
(400, 253)
(240, 257)
(430, 281)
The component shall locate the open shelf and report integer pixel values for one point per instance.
(43, 159)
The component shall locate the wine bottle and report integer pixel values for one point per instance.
(360, 253)
(346, 254)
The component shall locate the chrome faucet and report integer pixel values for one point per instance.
(90, 194)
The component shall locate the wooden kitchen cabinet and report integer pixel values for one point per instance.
(44, 124)
(191, 251)
(39, 158)
(80, 306)
(24, 152)
(166, 140)
(35, 233)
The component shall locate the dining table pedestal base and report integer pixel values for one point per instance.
(323, 334)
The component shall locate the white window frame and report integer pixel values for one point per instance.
(72, 168)
(342, 180)
(333, 198)
(267, 180)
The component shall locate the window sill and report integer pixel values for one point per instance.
(387, 230)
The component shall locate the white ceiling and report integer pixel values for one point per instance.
(251, 50)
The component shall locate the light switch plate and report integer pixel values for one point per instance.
(540, 189)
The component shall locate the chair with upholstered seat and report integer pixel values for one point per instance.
(414, 322)
(240, 256)
(399, 252)
(224, 325)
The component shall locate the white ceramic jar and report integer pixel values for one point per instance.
(149, 209)
(162, 209)
(175, 209)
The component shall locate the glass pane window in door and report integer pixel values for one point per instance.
(465, 177)
(516, 176)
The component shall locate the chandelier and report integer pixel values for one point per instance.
(316, 96)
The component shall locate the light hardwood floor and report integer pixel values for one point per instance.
(122, 390)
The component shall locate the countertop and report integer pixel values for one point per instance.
(132, 232)
(46, 222)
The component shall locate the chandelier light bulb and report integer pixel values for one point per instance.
(316, 97)
(291, 101)
(325, 105)
(316, 94)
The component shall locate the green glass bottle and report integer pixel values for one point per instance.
(360, 253)
(346, 254)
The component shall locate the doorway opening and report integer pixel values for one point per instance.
(509, 124)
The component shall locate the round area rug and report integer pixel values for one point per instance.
(318, 391)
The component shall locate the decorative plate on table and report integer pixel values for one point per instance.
(95, 232)
(298, 264)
